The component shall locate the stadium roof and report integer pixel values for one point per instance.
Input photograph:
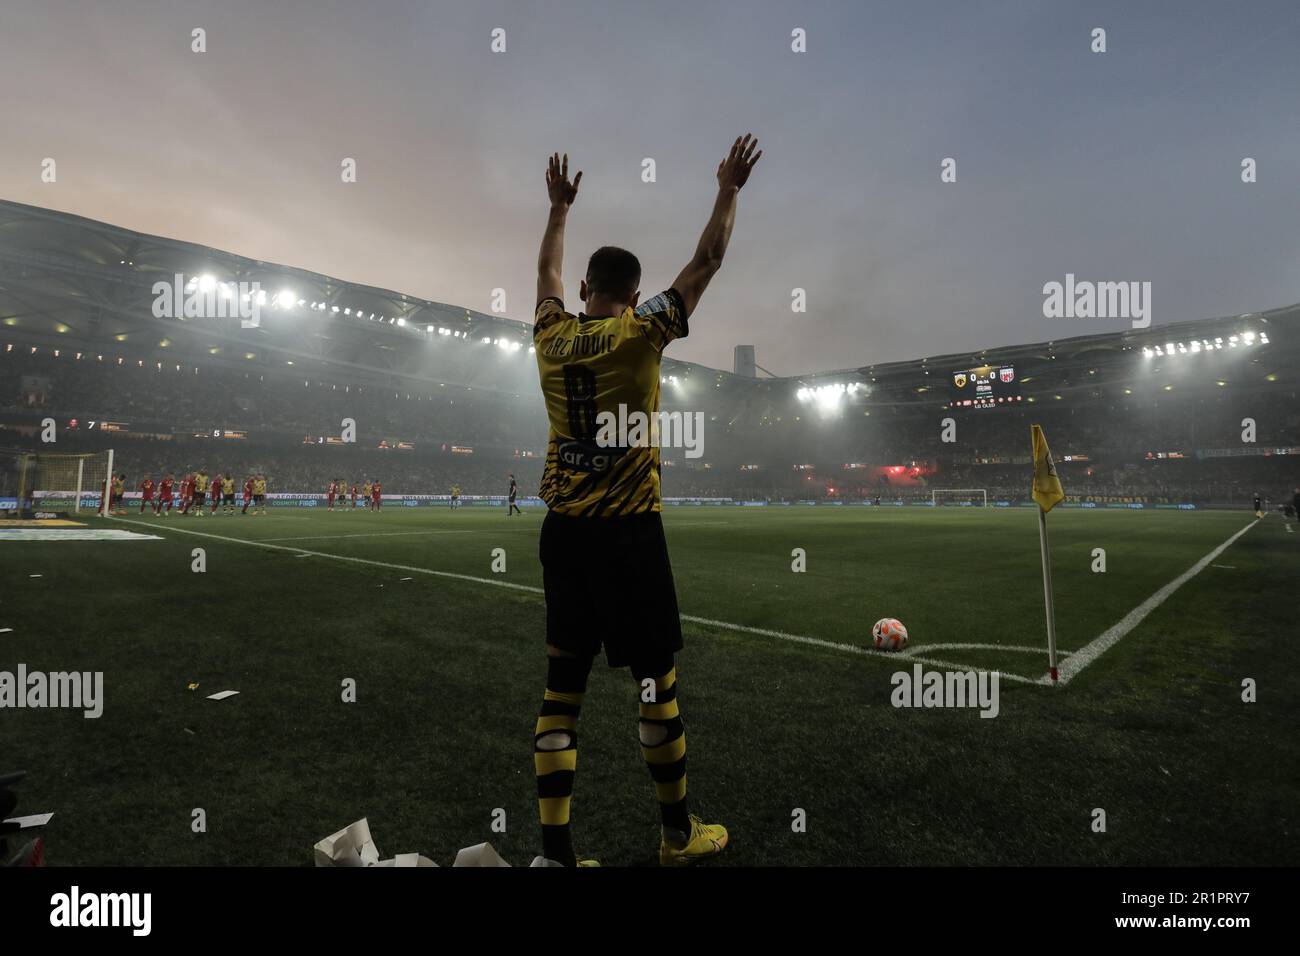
(90, 285)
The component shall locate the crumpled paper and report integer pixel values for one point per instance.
(480, 854)
(353, 846)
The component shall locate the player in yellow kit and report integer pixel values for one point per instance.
(227, 488)
(198, 491)
(605, 567)
(116, 495)
(259, 495)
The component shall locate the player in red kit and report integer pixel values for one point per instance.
(354, 496)
(146, 492)
(165, 495)
(330, 494)
(248, 494)
(215, 496)
(374, 494)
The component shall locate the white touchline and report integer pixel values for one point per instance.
(373, 534)
(1112, 635)
(763, 632)
(303, 553)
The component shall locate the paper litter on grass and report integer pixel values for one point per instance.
(480, 854)
(34, 820)
(353, 846)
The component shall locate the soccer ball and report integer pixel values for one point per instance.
(889, 634)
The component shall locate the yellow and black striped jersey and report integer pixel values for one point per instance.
(593, 368)
(259, 486)
(200, 482)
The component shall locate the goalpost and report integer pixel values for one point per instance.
(46, 481)
(969, 497)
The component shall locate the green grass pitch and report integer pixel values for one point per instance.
(450, 669)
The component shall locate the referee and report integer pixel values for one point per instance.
(514, 508)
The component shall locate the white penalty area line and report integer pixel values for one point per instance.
(1081, 658)
(530, 589)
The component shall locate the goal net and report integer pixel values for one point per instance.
(962, 497)
(47, 482)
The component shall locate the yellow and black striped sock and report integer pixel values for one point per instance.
(663, 744)
(555, 752)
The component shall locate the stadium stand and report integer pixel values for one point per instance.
(442, 395)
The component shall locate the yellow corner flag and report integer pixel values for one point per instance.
(1047, 487)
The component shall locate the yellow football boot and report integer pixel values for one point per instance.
(707, 839)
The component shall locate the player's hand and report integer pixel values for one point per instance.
(733, 172)
(558, 187)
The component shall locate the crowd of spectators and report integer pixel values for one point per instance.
(1109, 447)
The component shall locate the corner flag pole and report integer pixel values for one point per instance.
(1047, 593)
(1047, 494)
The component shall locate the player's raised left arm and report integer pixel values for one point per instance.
(550, 260)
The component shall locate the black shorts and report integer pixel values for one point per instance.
(230, 498)
(608, 582)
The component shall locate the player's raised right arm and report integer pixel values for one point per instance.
(733, 173)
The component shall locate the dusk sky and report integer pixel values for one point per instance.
(1123, 165)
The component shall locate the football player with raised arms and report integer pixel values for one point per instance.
(605, 567)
